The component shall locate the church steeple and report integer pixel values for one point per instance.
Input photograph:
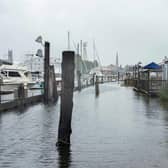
(117, 62)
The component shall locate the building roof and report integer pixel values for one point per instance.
(6, 62)
(152, 66)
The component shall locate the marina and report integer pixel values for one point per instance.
(83, 84)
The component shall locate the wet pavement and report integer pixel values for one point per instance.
(119, 129)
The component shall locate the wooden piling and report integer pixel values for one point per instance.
(64, 130)
(52, 90)
(46, 71)
(93, 79)
(97, 86)
(102, 80)
(22, 94)
(15, 94)
(148, 87)
(79, 80)
(118, 74)
(0, 89)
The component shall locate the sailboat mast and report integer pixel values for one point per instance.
(68, 40)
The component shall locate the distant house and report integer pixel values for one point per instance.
(8, 61)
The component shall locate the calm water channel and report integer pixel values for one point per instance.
(119, 129)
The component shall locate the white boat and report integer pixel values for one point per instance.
(12, 76)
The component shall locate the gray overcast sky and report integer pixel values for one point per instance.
(137, 29)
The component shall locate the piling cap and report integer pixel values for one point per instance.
(68, 52)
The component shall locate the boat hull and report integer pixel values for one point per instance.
(10, 87)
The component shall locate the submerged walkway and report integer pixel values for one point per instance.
(119, 129)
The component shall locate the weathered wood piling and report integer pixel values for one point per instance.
(64, 130)
(79, 80)
(50, 88)
(102, 80)
(46, 71)
(97, 86)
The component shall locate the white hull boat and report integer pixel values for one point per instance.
(13, 76)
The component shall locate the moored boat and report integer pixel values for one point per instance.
(12, 76)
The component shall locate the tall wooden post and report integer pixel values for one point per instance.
(46, 71)
(79, 80)
(0, 89)
(138, 81)
(102, 81)
(148, 83)
(118, 74)
(68, 67)
(53, 95)
(21, 94)
(93, 79)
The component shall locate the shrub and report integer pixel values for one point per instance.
(164, 94)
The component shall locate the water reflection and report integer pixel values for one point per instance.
(120, 128)
(150, 106)
(0, 118)
(164, 106)
(64, 159)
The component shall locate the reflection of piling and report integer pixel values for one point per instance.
(64, 156)
(64, 130)
(97, 86)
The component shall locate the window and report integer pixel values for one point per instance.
(13, 74)
(4, 73)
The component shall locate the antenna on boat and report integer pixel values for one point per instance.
(68, 41)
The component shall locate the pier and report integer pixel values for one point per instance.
(143, 81)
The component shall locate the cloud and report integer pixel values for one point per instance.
(137, 29)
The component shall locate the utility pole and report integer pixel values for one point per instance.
(81, 48)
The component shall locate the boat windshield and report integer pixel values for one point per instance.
(13, 74)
